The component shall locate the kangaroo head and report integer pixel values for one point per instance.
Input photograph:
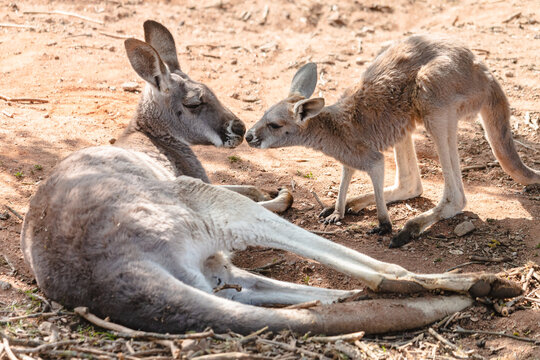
(173, 105)
(285, 123)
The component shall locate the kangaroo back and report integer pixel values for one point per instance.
(496, 121)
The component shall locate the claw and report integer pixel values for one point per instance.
(327, 211)
(332, 219)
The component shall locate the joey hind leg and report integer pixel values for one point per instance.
(407, 183)
(444, 132)
(376, 173)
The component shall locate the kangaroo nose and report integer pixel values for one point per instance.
(249, 137)
(239, 128)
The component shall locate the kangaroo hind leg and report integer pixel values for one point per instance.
(443, 129)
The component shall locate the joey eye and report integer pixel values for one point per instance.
(274, 126)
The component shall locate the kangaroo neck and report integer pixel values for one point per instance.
(173, 154)
(335, 131)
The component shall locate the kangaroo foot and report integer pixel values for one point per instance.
(405, 236)
(382, 229)
(498, 288)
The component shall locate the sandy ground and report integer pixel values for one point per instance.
(248, 59)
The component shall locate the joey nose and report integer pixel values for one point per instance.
(249, 137)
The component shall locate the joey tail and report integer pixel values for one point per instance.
(496, 121)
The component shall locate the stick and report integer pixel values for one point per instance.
(317, 199)
(231, 356)
(291, 348)
(116, 36)
(28, 100)
(486, 259)
(268, 266)
(17, 26)
(47, 346)
(446, 342)
(320, 232)
(331, 339)
(13, 270)
(9, 353)
(15, 212)
(237, 287)
(515, 16)
(122, 331)
(43, 315)
(366, 349)
(304, 305)
(252, 336)
(526, 146)
(460, 330)
(528, 279)
(462, 265)
(58, 12)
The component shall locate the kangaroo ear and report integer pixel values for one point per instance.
(305, 80)
(162, 40)
(306, 109)
(146, 62)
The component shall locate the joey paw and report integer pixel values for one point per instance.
(333, 218)
(326, 212)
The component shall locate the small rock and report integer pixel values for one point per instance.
(234, 61)
(509, 74)
(464, 228)
(112, 141)
(131, 86)
(5, 285)
(4, 216)
(360, 61)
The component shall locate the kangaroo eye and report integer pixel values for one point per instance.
(192, 106)
(274, 125)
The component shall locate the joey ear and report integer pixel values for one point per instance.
(146, 62)
(162, 40)
(306, 109)
(304, 81)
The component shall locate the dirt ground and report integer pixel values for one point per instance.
(248, 59)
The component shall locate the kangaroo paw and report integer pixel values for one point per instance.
(333, 218)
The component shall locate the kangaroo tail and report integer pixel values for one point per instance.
(161, 303)
(496, 120)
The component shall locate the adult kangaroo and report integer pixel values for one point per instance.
(425, 80)
(122, 230)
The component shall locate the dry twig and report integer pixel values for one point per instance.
(267, 266)
(8, 351)
(24, 100)
(332, 339)
(317, 199)
(291, 348)
(231, 356)
(460, 330)
(304, 305)
(17, 26)
(126, 332)
(58, 12)
(116, 36)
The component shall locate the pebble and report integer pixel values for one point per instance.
(131, 86)
(5, 285)
(464, 228)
